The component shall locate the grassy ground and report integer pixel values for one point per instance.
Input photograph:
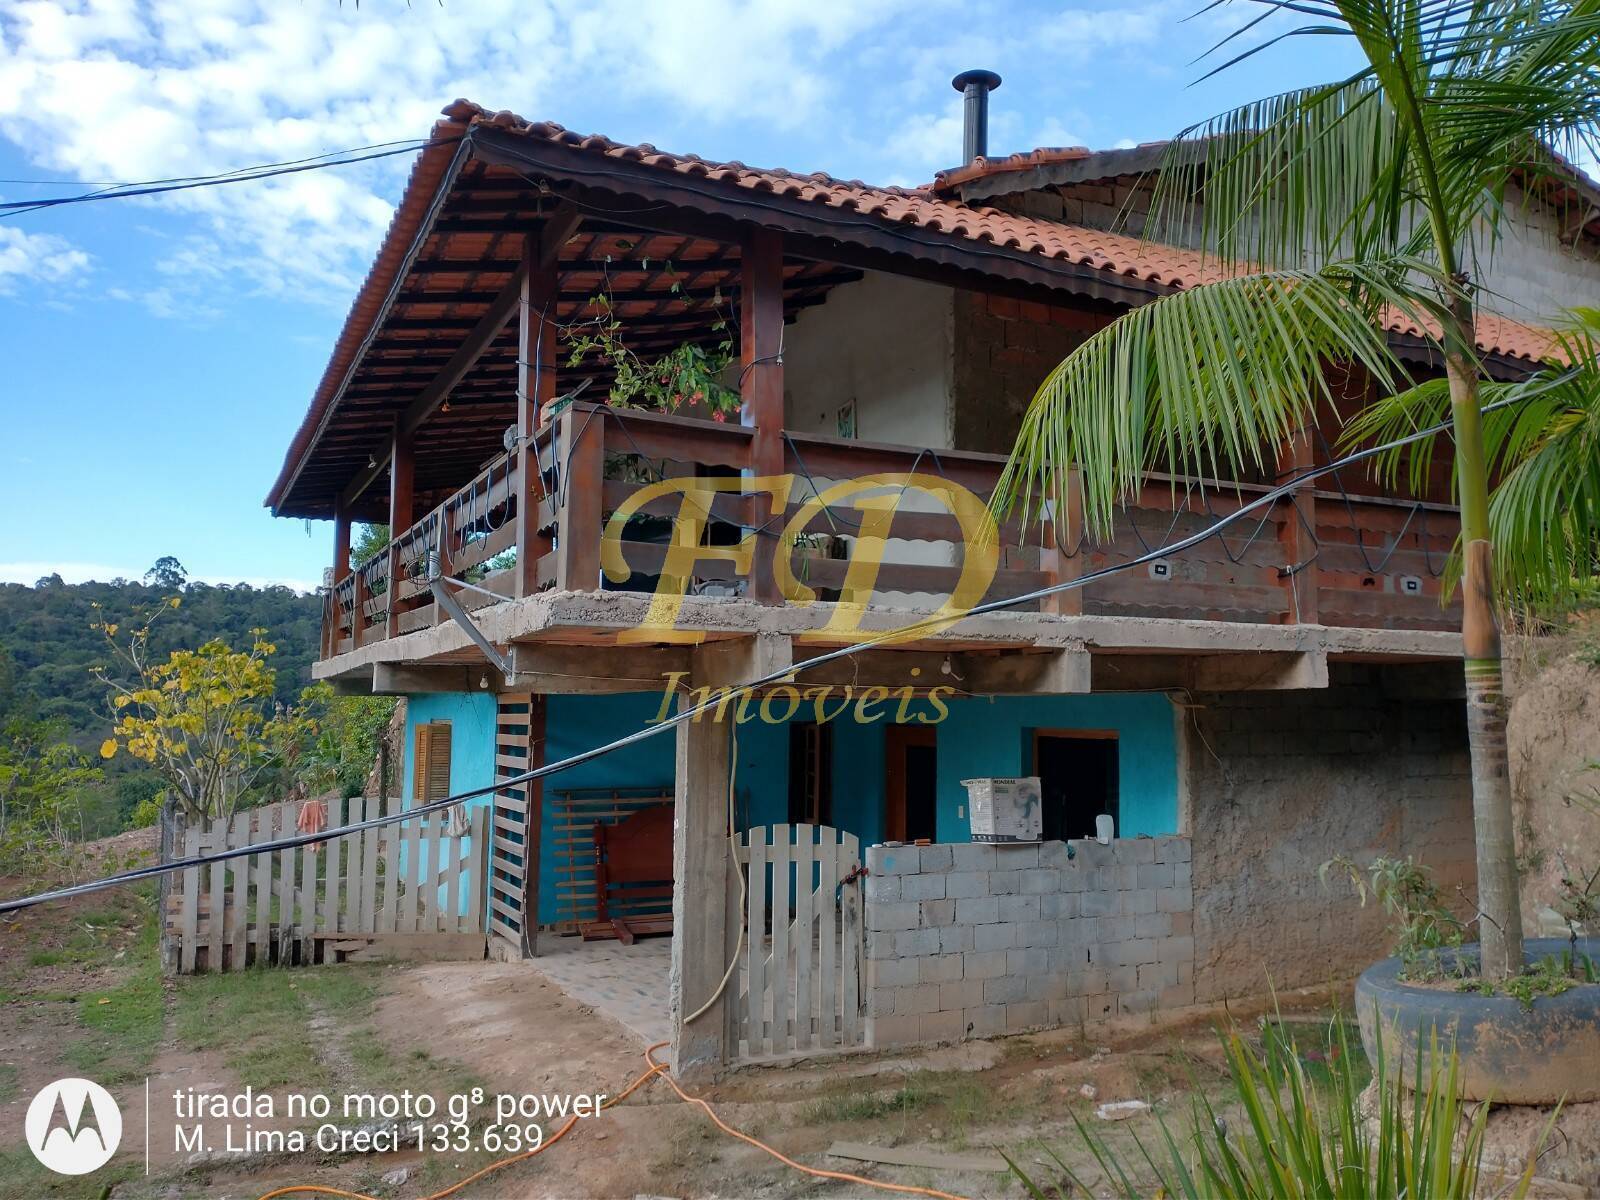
(83, 994)
(85, 990)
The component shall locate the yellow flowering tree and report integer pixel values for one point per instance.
(204, 719)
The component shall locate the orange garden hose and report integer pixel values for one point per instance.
(656, 1068)
(817, 1172)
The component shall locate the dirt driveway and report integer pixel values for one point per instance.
(82, 997)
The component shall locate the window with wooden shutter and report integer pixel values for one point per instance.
(430, 762)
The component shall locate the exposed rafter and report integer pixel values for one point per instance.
(557, 231)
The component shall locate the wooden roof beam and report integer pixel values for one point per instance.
(558, 228)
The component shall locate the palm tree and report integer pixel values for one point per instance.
(1333, 211)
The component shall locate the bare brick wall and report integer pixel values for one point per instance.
(1279, 782)
(972, 940)
(1004, 348)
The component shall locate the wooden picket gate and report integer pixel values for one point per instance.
(409, 890)
(801, 971)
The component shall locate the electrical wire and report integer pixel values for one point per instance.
(122, 191)
(926, 625)
(815, 1172)
(319, 1189)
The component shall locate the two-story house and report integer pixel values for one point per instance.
(1281, 692)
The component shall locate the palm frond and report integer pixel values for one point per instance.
(1542, 444)
(1291, 181)
(1457, 100)
(1209, 381)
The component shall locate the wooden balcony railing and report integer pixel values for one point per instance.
(1324, 557)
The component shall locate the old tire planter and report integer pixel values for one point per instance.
(1504, 1052)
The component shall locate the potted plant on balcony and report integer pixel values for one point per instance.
(687, 378)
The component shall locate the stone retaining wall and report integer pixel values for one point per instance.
(972, 940)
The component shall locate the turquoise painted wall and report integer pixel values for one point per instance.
(472, 718)
(991, 736)
(984, 736)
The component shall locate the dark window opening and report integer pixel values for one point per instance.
(1077, 781)
(810, 773)
(911, 784)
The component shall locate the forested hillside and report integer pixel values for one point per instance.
(49, 631)
(55, 786)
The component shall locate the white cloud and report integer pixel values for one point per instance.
(37, 258)
(82, 572)
(1054, 133)
(114, 89)
(924, 131)
(931, 137)
(102, 89)
(1081, 33)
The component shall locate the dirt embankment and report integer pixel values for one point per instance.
(1554, 735)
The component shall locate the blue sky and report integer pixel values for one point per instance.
(158, 354)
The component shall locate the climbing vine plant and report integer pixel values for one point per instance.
(687, 376)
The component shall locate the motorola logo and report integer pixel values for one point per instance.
(73, 1126)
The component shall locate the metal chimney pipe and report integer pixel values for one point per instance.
(975, 86)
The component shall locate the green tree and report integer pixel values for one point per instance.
(203, 718)
(50, 632)
(1331, 210)
(340, 738)
(369, 540)
(43, 781)
(167, 574)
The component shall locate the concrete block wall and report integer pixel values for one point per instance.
(1279, 782)
(973, 940)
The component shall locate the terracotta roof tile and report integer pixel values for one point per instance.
(1118, 254)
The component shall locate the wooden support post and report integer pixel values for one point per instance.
(1296, 534)
(341, 568)
(402, 468)
(341, 542)
(1062, 556)
(359, 598)
(699, 895)
(701, 859)
(533, 827)
(536, 387)
(580, 437)
(761, 384)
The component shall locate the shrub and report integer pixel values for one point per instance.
(1298, 1138)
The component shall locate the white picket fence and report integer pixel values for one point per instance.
(800, 984)
(411, 890)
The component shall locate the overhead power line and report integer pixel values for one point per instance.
(1266, 499)
(150, 187)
